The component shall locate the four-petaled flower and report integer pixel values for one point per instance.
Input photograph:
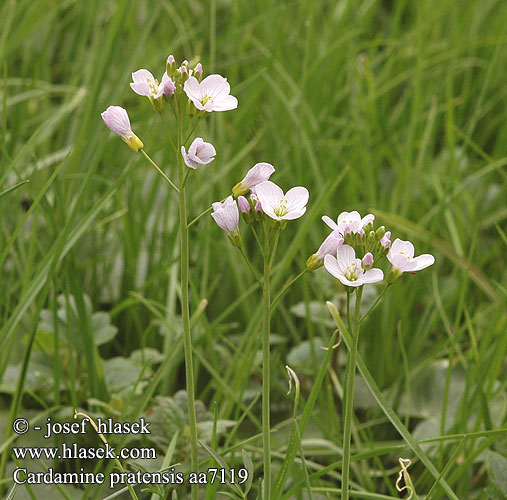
(145, 84)
(226, 214)
(329, 246)
(212, 94)
(348, 222)
(199, 152)
(401, 256)
(260, 172)
(117, 120)
(348, 269)
(279, 206)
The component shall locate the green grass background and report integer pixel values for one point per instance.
(393, 107)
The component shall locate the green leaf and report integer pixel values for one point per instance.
(497, 471)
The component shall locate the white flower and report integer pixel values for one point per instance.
(349, 270)
(226, 215)
(281, 206)
(260, 172)
(199, 152)
(386, 240)
(145, 84)
(117, 120)
(401, 256)
(329, 246)
(212, 94)
(348, 222)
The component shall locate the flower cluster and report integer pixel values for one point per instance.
(267, 202)
(354, 235)
(177, 83)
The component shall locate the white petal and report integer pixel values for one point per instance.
(269, 195)
(423, 261)
(141, 88)
(330, 222)
(193, 90)
(331, 265)
(294, 214)
(345, 256)
(372, 276)
(297, 198)
(225, 103)
(142, 75)
(215, 86)
(260, 172)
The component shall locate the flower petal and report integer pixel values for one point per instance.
(423, 261)
(140, 88)
(345, 256)
(330, 222)
(297, 198)
(225, 103)
(215, 86)
(269, 195)
(372, 276)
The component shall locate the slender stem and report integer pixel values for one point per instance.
(185, 311)
(207, 211)
(169, 181)
(168, 132)
(379, 298)
(266, 377)
(196, 121)
(286, 287)
(249, 264)
(275, 246)
(186, 177)
(349, 393)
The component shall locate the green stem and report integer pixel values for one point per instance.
(168, 132)
(159, 170)
(349, 393)
(202, 214)
(185, 311)
(286, 287)
(249, 264)
(266, 309)
(379, 298)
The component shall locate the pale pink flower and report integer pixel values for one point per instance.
(243, 204)
(226, 215)
(117, 120)
(171, 60)
(280, 206)
(348, 222)
(199, 152)
(260, 172)
(330, 245)
(145, 84)
(348, 269)
(386, 240)
(401, 256)
(212, 94)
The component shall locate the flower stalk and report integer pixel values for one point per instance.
(185, 308)
(266, 372)
(349, 392)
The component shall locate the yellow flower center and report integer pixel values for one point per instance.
(205, 99)
(282, 209)
(351, 273)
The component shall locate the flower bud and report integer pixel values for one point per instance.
(314, 262)
(117, 120)
(171, 63)
(198, 71)
(379, 233)
(243, 204)
(367, 261)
